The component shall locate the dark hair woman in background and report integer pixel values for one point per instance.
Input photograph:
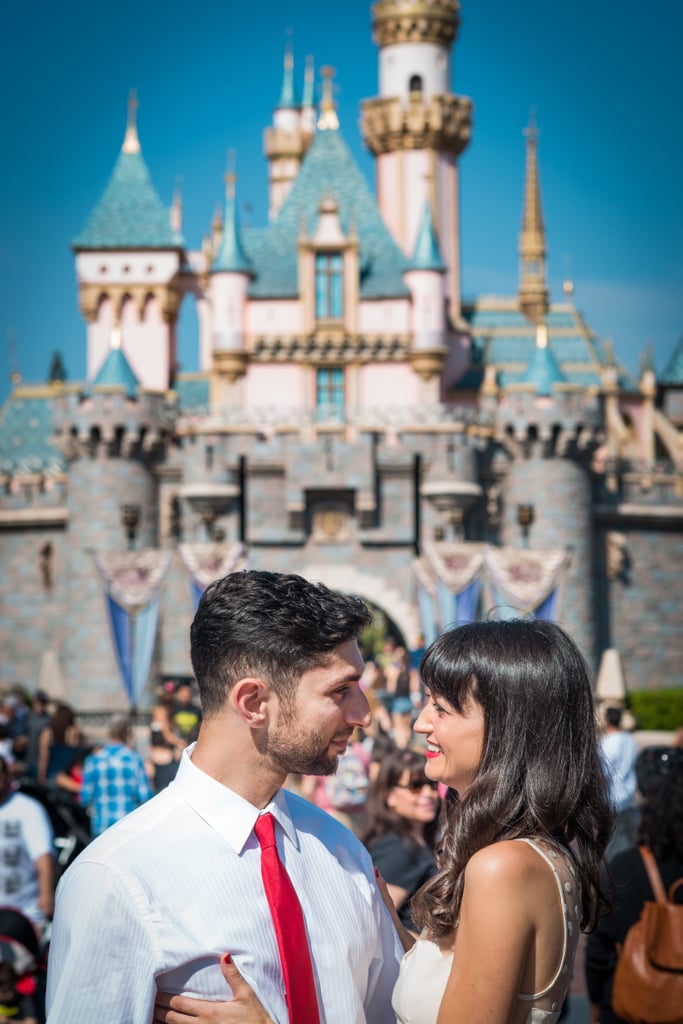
(401, 822)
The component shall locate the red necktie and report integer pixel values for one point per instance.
(288, 919)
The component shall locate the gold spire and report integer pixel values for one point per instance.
(328, 115)
(230, 176)
(533, 288)
(131, 143)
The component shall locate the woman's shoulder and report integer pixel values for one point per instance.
(505, 863)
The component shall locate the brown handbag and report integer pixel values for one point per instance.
(648, 981)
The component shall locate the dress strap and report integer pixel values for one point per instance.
(553, 867)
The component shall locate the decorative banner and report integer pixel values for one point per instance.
(426, 599)
(527, 579)
(208, 562)
(132, 584)
(457, 568)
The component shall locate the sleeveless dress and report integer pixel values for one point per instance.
(425, 969)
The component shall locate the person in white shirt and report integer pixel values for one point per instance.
(155, 903)
(619, 752)
(26, 848)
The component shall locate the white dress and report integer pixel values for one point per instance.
(425, 969)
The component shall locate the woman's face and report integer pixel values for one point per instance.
(455, 741)
(414, 799)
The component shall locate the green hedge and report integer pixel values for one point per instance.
(657, 709)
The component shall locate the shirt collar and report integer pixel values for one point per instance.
(229, 814)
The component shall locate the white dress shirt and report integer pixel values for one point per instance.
(159, 897)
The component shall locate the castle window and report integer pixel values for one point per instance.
(415, 84)
(329, 390)
(329, 286)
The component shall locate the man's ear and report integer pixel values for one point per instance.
(250, 698)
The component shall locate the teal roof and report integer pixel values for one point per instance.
(231, 256)
(328, 171)
(116, 372)
(426, 255)
(289, 99)
(673, 373)
(503, 336)
(130, 214)
(25, 430)
(543, 371)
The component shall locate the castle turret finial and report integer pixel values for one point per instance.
(288, 97)
(131, 143)
(176, 215)
(533, 287)
(328, 119)
(308, 99)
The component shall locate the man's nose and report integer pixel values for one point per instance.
(360, 712)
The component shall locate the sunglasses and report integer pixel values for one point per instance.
(417, 785)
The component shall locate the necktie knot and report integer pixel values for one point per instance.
(265, 830)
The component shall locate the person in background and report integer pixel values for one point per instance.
(661, 830)
(401, 824)
(56, 744)
(186, 716)
(26, 853)
(619, 752)
(38, 720)
(162, 716)
(114, 778)
(162, 759)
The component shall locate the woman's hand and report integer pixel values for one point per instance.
(243, 1008)
(407, 938)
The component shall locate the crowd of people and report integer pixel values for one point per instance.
(446, 820)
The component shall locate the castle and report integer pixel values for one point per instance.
(353, 418)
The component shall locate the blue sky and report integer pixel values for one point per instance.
(603, 75)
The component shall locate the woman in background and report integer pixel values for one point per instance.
(401, 822)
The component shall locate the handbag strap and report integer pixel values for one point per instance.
(653, 874)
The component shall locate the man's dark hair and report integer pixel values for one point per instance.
(613, 716)
(272, 625)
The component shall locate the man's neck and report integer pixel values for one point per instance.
(234, 762)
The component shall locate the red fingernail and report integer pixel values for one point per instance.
(376, 872)
(227, 959)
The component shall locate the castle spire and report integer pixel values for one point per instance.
(231, 256)
(131, 143)
(533, 287)
(328, 119)
(288, 97)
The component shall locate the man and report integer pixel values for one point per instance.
(38, 720)
(26, 864)
(186, 716)
(115, 781)
(182, 881)
(619, 752)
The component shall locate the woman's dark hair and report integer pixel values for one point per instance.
(540, 771)
(661, 827)
(60, 723)
(383, 820)
(269, 624)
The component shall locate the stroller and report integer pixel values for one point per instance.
(70, 821)
(21, 950)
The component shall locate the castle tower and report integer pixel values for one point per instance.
(113, 439)
(128, 257)
(417, 128)
(425, 278)
(533, 287)
(230, 275)
(286, 142)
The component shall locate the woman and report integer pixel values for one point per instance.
(401, 813)
(58, 745)
(510, 730)
(661, 830)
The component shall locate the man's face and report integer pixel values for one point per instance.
(313, 728)
(183, 694)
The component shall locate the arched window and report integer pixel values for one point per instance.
(329, 290)
(415, 85)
